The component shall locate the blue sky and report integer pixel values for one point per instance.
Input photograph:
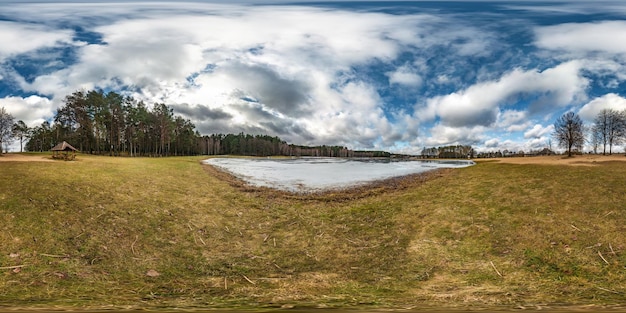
(396, 76)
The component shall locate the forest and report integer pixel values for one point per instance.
(107, 123)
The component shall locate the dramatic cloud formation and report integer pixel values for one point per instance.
(395, 76)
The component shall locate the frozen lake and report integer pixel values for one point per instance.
(320, 174)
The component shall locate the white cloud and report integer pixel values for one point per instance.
(539, 131)
(492, 143)
(353, 116)
(19, 38)
(405, 75)
(478, 105)
(446, 135)
(512, 120)
(609, 101)
(33, 110)
(570, 7)
(605, 36)
(532, 144)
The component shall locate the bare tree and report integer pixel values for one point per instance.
(609, 128)
(617, 129)
(596, 137)
(6, 128)
(569, 131)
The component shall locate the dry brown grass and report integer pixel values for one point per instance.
(494, 235)
(20, 157)
(576, 160)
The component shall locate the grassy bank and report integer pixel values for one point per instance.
(169, 232)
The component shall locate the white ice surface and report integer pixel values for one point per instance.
(319, 174)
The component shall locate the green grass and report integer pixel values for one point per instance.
(492, 235)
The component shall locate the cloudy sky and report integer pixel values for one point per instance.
(396, 76)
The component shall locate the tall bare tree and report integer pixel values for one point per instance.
(569, 131)
(617, 129)
(609, 128)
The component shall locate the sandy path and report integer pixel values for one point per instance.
(8, 157)
(578, 160)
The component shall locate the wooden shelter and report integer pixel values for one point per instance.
(64, 151)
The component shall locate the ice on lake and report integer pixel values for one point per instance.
(320, 174)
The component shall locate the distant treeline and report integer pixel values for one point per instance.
(263, 145)
(462, 152)
(97, 122)
(449, 152)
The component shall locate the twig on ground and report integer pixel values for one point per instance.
(12, 267)
(132, 245)
(248, 279)
(200, 237)
(495, 269)
(611, 247)
(574, 227)
(609, 290)
(55, 255)
(351, 241)
(225, 283)
(603, 259)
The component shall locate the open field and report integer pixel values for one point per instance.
(579, 160)
(136, 233)
(25, 157)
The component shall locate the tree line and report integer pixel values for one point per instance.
(264, 145)
(449, 152)
(98, 122)
(109, 123)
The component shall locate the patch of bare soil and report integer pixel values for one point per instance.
(576, 160)
(14, 157)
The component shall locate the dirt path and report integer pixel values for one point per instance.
(9, 157)
(578, 160)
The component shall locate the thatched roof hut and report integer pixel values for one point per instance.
(69, 152)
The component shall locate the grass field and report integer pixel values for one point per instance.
(104, 232)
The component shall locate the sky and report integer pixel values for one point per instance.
(391, 75)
